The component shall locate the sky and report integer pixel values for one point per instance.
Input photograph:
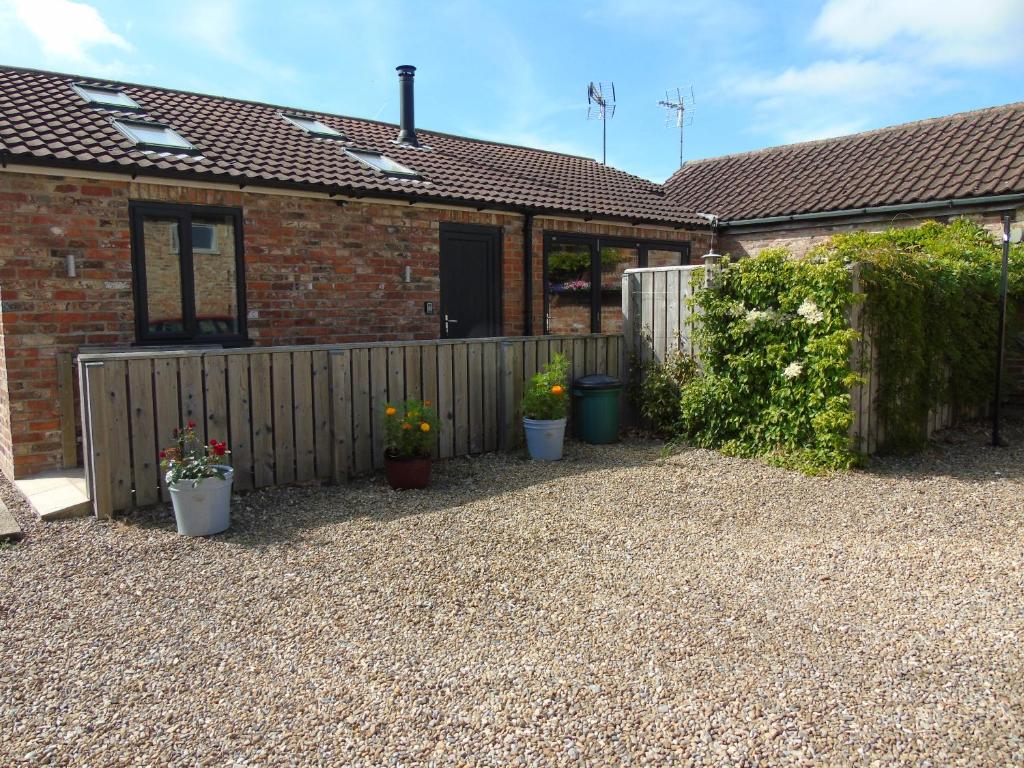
(761, 73)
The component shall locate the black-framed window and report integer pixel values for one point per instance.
(188, 264)
(583, 278)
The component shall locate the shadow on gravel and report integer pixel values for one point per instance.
(279, 515)
(963, 453)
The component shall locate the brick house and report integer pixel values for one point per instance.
(798, 195)
(132, 215)
(969, 164)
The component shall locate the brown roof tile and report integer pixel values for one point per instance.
(42, 119)
(971, 154)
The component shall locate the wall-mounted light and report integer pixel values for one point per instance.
(69, 261)
(407, 275)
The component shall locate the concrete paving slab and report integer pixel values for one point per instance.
(9, 528)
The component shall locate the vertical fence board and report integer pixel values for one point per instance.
(518, 381)
(321, 374)
(378, 400)
(145, 450)
(445, 400)
(672, 311)
(168, 403)
(341, 414)
(99, 439)
(215, 392)
(191, 372)
(475, 394)
(362, 430)
(262, 420)
(428, 369)
(491, 427)
(396, 375)
(658, 314)
(115, 374)
(302, 412)
(240, 420)
(284, 422)
(460, 382)
(413, 380)
(506, 394)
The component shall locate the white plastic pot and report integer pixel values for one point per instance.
(204, 509)
(544, 438)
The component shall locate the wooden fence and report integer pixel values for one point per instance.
(656, 311)
(300, 414)
(658, 319)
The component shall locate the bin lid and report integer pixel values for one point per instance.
(596, 381)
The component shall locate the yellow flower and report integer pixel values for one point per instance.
(557, 389)
(406, 425)
(424, 427)
(390, 410)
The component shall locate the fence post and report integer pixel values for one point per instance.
(96, 434)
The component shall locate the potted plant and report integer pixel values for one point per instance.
(199, 480)
(409, 430)
(544, 409)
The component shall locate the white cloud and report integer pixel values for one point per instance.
(67, 30)
(975, 33)
(849, 79)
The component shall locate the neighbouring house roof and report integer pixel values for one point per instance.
(44, 120)
(966, 155)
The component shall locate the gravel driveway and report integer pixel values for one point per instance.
(612, 609)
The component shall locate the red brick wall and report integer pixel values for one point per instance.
(316, 272)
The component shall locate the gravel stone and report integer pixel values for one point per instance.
(615, 608)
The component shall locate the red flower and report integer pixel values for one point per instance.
(163, 454)
(191, 424)
(213, 442)
(219, 449)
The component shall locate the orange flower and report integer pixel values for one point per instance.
(557, 389)
(426, 403)
(424, 427)
(390, 410)
(406, 425)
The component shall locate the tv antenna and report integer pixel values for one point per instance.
(601, 106)
(679, 113)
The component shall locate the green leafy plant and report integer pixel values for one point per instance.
(659, 391)
(931, 312)
(563, 264)
(189, 459)
(409, 429)
(546, 395)
(774, 344)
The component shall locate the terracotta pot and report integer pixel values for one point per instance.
(403, 474)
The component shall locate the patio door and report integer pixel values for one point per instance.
(470, 281)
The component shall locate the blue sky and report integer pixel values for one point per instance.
(762, 73)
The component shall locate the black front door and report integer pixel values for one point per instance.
(470, 281)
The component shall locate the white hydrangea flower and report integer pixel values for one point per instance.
(809, 311)
(756, 315)
(793, 370)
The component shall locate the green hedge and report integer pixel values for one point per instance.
(775, 341)
(932, 311)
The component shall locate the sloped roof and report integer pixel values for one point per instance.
(970, 154)
(43, 120)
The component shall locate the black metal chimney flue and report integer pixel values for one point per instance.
(407, 126)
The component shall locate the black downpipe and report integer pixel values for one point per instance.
(407, 125)
(528, 272)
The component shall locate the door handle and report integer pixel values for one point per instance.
(446, 321)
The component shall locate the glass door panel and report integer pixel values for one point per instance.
(569, 287)
(614, 260)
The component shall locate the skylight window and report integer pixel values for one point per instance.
(107, 97)
(382, 163)
(152, 135)
(313, 126)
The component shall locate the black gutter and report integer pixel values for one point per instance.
(326, 189)
(528, 272)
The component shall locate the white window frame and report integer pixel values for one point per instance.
(124, 125)
(319, 128)
(87, 92)
(395, 168)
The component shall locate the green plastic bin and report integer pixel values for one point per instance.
(596, 408)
